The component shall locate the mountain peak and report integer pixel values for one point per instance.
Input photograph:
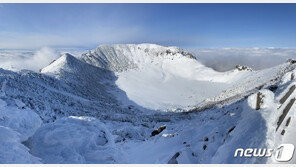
(65, 60)
(120, 57)
(68, 58)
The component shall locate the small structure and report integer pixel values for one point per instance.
(285, 112)
(259, 100)
(291, 90)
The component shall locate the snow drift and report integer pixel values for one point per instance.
(17, 124)
(74, 140)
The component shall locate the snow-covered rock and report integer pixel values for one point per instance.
(12, 151)
(24, 121)
(74, 140)
(241, 68)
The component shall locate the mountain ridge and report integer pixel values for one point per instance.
(92, 114)
(121, 57)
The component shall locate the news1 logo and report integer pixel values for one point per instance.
(283, 153)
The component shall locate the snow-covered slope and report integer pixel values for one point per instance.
(102, 107)
(129, 56)
(169, 78)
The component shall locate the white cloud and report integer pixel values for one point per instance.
(223, 59)
(32, 60)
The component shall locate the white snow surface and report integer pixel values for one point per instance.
(22, 120)
(104, 107)
(162, 78)
(12, 150)
(16, 126)
(74, 140)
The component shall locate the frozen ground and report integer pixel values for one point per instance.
(141, 104)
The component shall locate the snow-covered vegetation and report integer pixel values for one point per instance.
(142, 104)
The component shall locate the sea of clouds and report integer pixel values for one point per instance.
(18, 59)
(27, 59)
(220, 59)
(223, 59)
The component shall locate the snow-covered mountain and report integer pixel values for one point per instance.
(107, 106)
(169, 78)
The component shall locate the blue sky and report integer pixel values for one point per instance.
(184, 25)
